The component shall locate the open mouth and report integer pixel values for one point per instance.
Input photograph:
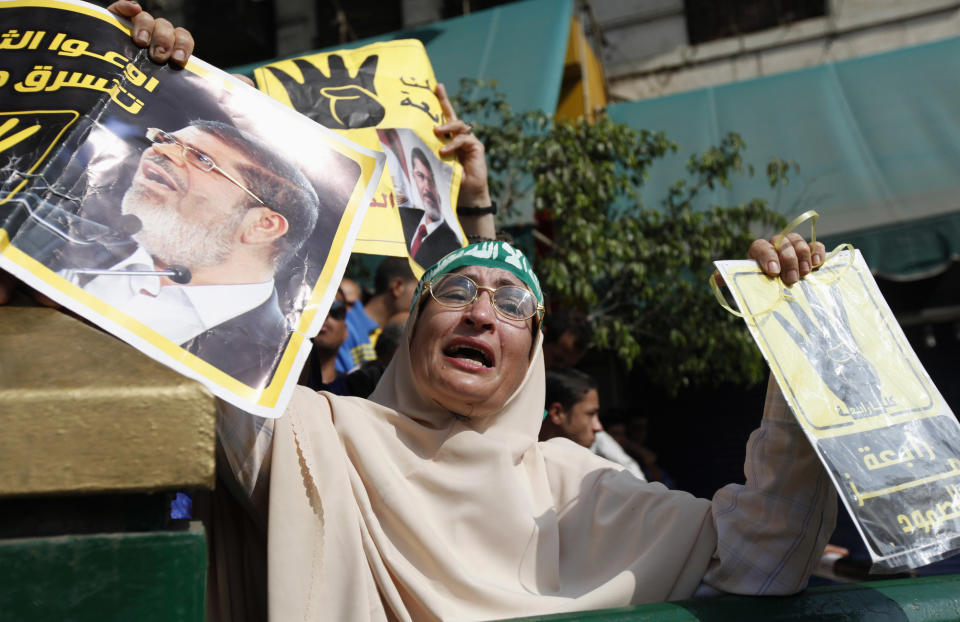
(468, 353)
(156, 173)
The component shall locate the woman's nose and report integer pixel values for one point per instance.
(481, 310)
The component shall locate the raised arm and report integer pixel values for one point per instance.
(474, 190)
(771, 531)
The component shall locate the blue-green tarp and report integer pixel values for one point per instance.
(520, 45)
(877, 140)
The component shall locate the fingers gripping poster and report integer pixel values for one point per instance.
(181, 210)
(887, 438)
(383, 96)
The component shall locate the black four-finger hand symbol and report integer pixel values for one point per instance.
(338, 101)
(829, 344)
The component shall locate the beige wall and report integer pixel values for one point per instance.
(647, 53)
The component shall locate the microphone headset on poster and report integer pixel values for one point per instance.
(178, 274)
(97, 233)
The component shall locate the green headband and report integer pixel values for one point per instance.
(490, 254)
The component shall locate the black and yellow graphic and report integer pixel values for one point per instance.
(335, 99)
(186, 213)
(9, 136)
(382, 96)
(836, 349)
(849, 375)
(881, 428)
(27, 137)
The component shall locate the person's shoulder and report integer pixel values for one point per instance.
(573, 470)
(352, 415)
(262, 323)
(305, 396)
(310, 402)
(358, 317)
(410, 212)
(568, 454)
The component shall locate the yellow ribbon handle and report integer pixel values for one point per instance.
(810, 215)
(784, 293)
(781, 295)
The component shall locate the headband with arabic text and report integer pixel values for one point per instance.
(489, 254)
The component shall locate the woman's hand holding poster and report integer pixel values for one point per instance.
(181, 210)
(889, 441)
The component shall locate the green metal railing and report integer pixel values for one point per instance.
(142, 577)
(926, 599)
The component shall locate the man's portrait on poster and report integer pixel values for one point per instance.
(223, 235)
(422, 185)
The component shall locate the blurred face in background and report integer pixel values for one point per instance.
(334, 330)
(351, 292)
(581, 422)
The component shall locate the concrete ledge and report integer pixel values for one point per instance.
(83, 412)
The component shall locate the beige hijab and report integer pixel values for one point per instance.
(394, 509)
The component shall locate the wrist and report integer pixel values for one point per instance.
(474, 199)
(477, 210)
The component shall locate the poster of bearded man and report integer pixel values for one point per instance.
(199, 220)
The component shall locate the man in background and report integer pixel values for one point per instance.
(572, 411)
(320, 373)
(394, 284)
(566, 339)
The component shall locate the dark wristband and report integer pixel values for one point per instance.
(477, 211)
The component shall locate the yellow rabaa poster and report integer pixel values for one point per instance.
(181, 210)
(889, 441)
(382, 96)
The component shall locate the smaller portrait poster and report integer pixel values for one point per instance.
(181, 210)
(881, 428)
(421, 186)
(382, 96)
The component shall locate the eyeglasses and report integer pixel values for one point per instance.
(338, 310)
(456, 291)
(197, 158)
